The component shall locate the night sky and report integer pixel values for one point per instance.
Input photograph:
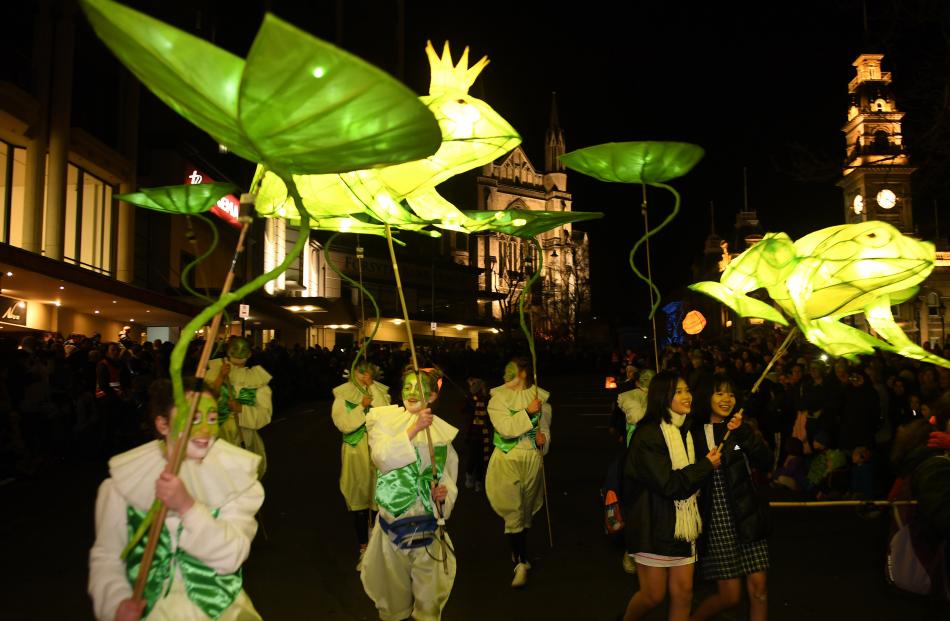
(762, 86)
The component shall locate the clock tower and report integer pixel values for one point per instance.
(876, 179)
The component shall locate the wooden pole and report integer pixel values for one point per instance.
(180, 445)
(424, 395)
(755, 388)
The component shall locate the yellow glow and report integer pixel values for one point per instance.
(398, 322)
(295, 309)
(346, 326)
(459, 326)
(449, 77)
(319, 72)
(308, 307)
(519, 222)
(333, 326)
(346, 224)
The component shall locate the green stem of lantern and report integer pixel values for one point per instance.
(206, 297)
(646, 236)
(365, 294)
(181, 424)
(525, 292)
(529, 333)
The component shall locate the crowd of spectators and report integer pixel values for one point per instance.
(80, 397)
(831, 423)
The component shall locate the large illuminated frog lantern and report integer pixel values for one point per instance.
(828, 275)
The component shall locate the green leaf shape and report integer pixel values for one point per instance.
(523, 223)
(743, 305)
(316, 108)
(635, 162)
(180, 199)
(274, 108)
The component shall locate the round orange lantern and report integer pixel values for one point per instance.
(694, 322)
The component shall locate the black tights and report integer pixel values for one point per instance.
(361, 525)
(519, 546)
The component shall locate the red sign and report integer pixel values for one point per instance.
(228, 207)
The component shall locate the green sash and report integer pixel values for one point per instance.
(398, 489)
(210, 591)
(630, 429)
(506, 444)
(246, 396)
(353, 438)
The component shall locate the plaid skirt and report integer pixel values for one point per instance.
(725, 557)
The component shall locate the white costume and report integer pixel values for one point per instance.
(215, 533)
(634, 406)
(406, 581)
(253, 416)
(513, 482)
(358, 474)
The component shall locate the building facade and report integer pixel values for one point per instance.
(561, 296)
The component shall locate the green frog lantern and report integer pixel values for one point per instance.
(827, 275)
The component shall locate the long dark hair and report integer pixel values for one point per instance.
(660, 396)
(702, 396)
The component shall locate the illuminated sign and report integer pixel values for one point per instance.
(227, 208)
(12, 311)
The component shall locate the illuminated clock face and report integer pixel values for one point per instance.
(886, 199)
(858, 204)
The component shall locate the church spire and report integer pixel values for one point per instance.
(553, 141)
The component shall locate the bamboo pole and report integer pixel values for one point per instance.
(529, 333)
(841, 503)
(180, 445)
(755, 388)
(424, 395)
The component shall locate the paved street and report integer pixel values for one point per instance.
(827, 563)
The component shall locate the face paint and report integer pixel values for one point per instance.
(511, 372)
(412, 398)
(204, 430)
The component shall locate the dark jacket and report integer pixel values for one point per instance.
(650, 487)
(749, 508)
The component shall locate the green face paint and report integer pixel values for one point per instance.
(511, 372)
(206, 418)
(410, 389)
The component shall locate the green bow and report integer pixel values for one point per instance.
(246, 396)
(398, 489)
(213, 593)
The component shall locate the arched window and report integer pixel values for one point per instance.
(881, 140)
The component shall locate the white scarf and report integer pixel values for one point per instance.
(688, 522)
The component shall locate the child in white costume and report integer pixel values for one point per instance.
(402, 569)
(196, 573)
(634, 402)
(244, 398)
(351, 402)
(521, 417)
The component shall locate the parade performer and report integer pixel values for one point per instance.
(735, 515)
(407, 570)
(663, 478)
(633, 402)
(244, 398)
(196, 574)
(521, 417)
(351, 402)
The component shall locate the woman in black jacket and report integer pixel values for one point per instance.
(735, 516)
(662, 478)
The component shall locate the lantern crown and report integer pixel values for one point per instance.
(449, 77)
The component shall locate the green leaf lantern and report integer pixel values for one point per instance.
(863, 268)
(646, 163)
(297, 103)
(523, 223)
(180, 199)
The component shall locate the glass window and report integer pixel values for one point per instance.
(71, 230)
(96, 215)
(15, 207)
(4, 192)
